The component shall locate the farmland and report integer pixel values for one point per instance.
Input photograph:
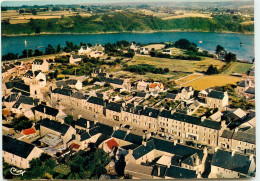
(212, 81)
(177, 65)
(238, 67)
(188, 78)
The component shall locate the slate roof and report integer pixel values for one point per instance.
(93, 131)
(224, 159)
(71, 82)
(113, 81)
(150, 112)
(83, 123)
(176, 160)
(132, 138)
(60, 83)
(159, 172)
(11, 98)
(55, 125)
(244, 83)
(179, 150)
(114, 107)
(250, 90)
(78, 95)
(25, 100)
(170, 96)
(25, 93)
(143, 150)
(96, 100)
(84, 136)
(140, 94)
(178, 172)
(245, 137)
(19, 86)
(120, 134)
(105, 129)
(133, 109)
(38, 61)
(227, 134)
(216, 94)
(130, 147)
(190, 119)
(16, 147)
(191, 160)
(29, 73)
(48, 110)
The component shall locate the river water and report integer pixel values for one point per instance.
(204, 40)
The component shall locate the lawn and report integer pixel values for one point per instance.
(238, 67)
(212, 81)
(177, 65)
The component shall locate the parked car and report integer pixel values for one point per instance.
(145, 131)
(128, 127)
(180, 141)
(199, 146)
(171, 138)
(153, 133)
(166, 137)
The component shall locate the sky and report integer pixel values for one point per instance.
(44, 2)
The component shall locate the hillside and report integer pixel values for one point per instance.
(128, 22)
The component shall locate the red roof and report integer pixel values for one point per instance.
(152, 85)
(112, 143)
(74, 145)
(29, 131)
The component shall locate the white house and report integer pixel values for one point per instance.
(84, 50)
(75, 59)
(41, 65)
(29, 75)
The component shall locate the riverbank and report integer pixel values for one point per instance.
(118, 32)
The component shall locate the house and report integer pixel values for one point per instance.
(70, 83)
(188, 107)
(167, 52)
(23, 104)
(246, 88)
(64, 131)
(42, 111)
(143, 95)
(216, 116)
(118, 83)
(10, 100)
(38, 75)
(84, 50)
(133, 47)
(227, 164)
(204, 93)
(18, 86)
(142, 86)
(217, 99)
(138, 171)
(40, 65)
(19, 153)
(113, 111)
(109, 145)
(171, 96)
(175, 172)
(156, 87)
(74, 59)
(84, 124)
(95, 104)
(144, 51)
(185, 93)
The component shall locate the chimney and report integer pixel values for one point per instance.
(135, 104)
(159, 173)
(88, 124)
(115, 128)
(144, 143)
(123, 104)
(223, 124)
(199, 174)
(203, 118)
(145, 106)
(251, 157)
(233, 153)
(44, 109)
(161, 109)
(216, 149)
(173, 111)
(79, 116)
(175, 142)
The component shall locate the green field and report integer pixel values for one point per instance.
(238, 67)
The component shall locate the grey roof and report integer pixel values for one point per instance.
(143, 150)
(65, 92)
(71, 82)
(227, 134)
(84, 136)
(83, 123)
(25, 100)
(113, 80)
(29, 73)
(176, 160)
(150, 112)
(179, 150)
(159, 171)
(78, 95)
(120, 134)
(40, 61)
(190, 119)
(140, 94)
(105, 129)
(96, 100)
(245, 137)
(244, 83)
(133, 109)
(132, 138)
(170, 96)
(216, 94)
(250, 90)
(114, 106)
(11, 98)
(55, 125)
(17, 147)
(18, 86)
(191, 160)
(238, 162)
(48, 110)
(60, 83)
(178, 172)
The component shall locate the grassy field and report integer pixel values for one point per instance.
(212, 81)
(189, 14)
(238, 67)
(186, 79)
(177, 65)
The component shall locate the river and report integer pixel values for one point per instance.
(204, 40)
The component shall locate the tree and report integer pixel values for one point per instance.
(37, 30)
(69, 120)
(230, 57)
(21, 123)
(212, 70)
(219, 49)
(25, 53)
(30, 52)
(37, 52)
(34, 12)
